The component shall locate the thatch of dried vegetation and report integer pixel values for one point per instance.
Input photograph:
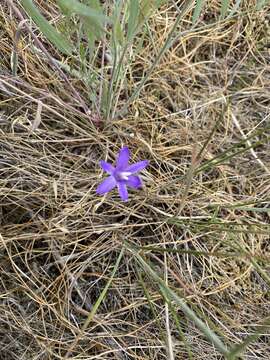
(201, 222)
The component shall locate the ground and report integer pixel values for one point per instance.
(85, 276)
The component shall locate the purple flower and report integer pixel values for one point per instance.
(122, 175)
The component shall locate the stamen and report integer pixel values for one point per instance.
(124, 175)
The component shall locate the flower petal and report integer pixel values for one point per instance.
(107, 167)
(123, 158)
(106, 186)
(134, 181)
(134, 168)
(122, 188)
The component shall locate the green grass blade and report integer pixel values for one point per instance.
(95, 306)
(93, 13)
(252, 209)
(134, 11)
(169, 41)
(230, 227)
(224, 8)
(208, 333)
(152, 308)
(103, 293)
(261, 271)
(189, 252)
(91, 16)
(260, 4)
(146, 7)
(178, 325)
(46, 28)
(235, 8)
(238, 349)
(222, 158)
(209, 138)
(197, 10)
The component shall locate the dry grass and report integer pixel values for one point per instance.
(60, 241)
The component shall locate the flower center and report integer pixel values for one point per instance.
(123, 175)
